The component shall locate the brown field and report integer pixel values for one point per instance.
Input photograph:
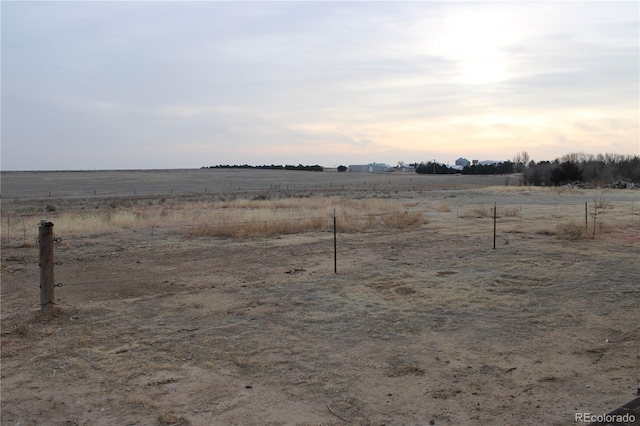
(200, 297)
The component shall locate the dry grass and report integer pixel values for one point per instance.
(145, 401)
(469, 298)
(241, 361)
(242, 230)
(488, 211)
(570, 231)
(443, 207)
(403, 220)
(509, 211)
(168, 419)
(532, 190)
(477, 212)
(238, 219)
(347, 222)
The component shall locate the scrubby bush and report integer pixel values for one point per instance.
(571, 231)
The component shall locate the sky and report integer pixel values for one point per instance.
(180, 84)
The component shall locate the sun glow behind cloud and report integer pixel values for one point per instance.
(474, 38)
(213, 82)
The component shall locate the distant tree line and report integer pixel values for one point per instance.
(502, 168)
(314, 168)
(579, 167)
(598, 169)
(434, 168)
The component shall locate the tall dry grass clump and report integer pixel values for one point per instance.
(443, 207)
(243, 230)
(280, 217)
(403, 220)
(477, 212)
(74, 223)
(238, 219)
(571, 231)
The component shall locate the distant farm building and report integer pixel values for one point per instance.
(462, 162)
(483, 162)
(407, 168)
(370, 168)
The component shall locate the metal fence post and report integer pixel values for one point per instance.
(45, 239)
(495, 213)
(335, 244)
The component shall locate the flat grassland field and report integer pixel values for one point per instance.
(211, 297)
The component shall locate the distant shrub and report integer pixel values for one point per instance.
(50, 208)
(402, 220)
(478, 212)
(570, 231)
(510, 212)
(443, 207)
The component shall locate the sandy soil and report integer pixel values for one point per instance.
(422, 326)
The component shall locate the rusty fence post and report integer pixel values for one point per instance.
(45, 240)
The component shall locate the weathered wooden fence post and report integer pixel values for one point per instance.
(45, 239)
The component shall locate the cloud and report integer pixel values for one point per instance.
(168, 84)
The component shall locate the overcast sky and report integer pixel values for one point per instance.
(123, 85)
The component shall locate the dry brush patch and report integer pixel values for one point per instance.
(532, 190)
(571, 231)
(239, 218)
(443, 207)
(242, 214)
(311, 215)
(484, 211)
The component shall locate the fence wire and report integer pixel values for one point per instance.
(168, 258)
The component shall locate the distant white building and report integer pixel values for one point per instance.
(370, 168)
(358, 168)
(463, 162)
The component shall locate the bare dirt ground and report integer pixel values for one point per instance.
(419, 326)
